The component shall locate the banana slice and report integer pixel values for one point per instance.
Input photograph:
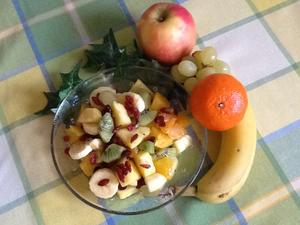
(91, 128)
(98, 92)
(96, 143)
(104, 184)
(138, 101)
(79, 150)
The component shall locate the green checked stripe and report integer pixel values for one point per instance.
(21, 171)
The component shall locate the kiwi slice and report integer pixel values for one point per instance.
(106, 127)
(147, 146)
(146, 97)
(147, 117)
(112, 153)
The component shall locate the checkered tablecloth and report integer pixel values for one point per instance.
(260, 39)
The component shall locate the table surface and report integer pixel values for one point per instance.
(260, 39)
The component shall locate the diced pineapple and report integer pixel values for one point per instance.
(159, 102)
(166, 166)
(144, 163)
(162, 140)
(74, 133)
(127, 192)
(120, 114)
(89, 115)
(133, 138)
(140, 86)
(155, 182)
(183, 143)
(86, 166)
(132, 176)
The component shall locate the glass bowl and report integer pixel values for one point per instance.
(190, 161)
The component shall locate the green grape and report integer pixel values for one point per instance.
(205, 72)
(198, 61)
(188, 57)
(189, 84)
(176, 75)
(187, 68)
(221, 67)
(208, 56)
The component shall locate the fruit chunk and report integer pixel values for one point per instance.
(79, 150)
(74, 133)
(140, 86)
(147, 146)
(120, 114)
(138, 101)
(218, 102)
(147, 117)
(89, 115)
(86, 166)
(146, 97)
(159, 102)
(127, 192)
(183, 143)
(91, 128)
(106, 127)
(162, 140)
(144, 163)
(133, 138)
(95, 100)
(96, 143)
(126, 172)
(166, 166)
(155, 182)
(112, 153)
(104, 183)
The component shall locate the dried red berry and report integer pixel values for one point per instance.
(146, 166)
(160, 121)
(131, 127)
(93, 157)
(140, 183)
(151, 138)
(134, 137)
(96, 100)
(106, 109)
(66, 138)
(103, 182)
(128, 166)
(121, 188)
(126, 153)
(128, 99)
(67, 150)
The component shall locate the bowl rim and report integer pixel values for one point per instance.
(62, 177)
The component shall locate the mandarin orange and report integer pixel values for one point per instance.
(219, 102)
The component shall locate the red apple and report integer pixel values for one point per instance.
(166, 32)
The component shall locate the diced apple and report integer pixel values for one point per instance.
(127, 192)
(155, 182)
(140, 86)
(74, 133)
(144, 163)
(91, 128)
(132, 176)
(162, 140)
(133, 138)
(89, 115)
(183, 143)
(120, 114)
(166, 166)
(138, 101)
(159, 102)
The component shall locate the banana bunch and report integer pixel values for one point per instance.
(232, 152)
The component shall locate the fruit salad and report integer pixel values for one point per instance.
(127, 142)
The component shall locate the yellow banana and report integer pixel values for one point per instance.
(233, 164)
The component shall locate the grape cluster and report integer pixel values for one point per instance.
(197, 66)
